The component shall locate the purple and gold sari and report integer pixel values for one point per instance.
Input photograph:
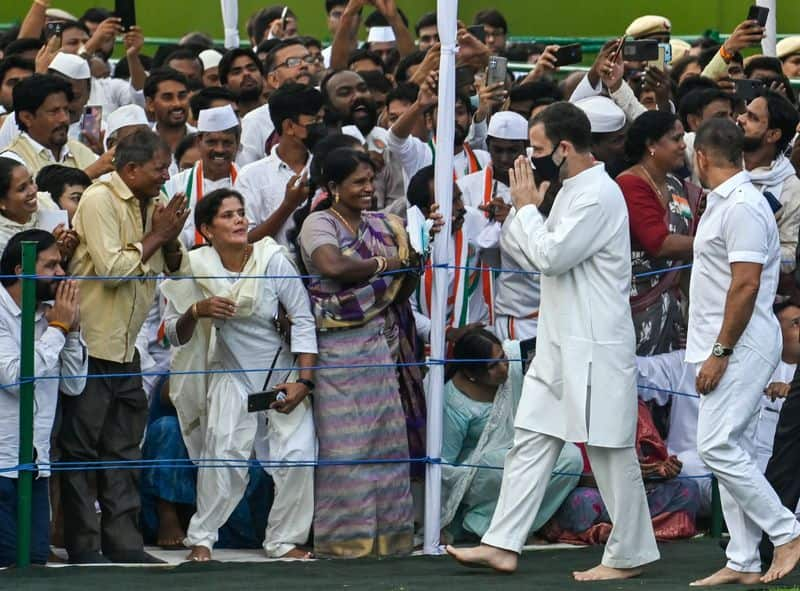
(374, 412)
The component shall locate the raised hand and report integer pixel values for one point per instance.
(296, 192)
(133, 41)
(66, 306)
(523, 186)
(168, 220)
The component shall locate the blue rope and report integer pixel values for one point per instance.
(228, 463)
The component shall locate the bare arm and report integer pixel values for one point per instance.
(333, 264)
(740, 301)
(676, 246)
(33, 25)
(346, 38)
(403, 38)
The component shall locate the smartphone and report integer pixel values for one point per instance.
(54, 28)
(747, 90)
(284, 18)
(477, 32)
(640, 50)
(126, 11)
(465, 76)
(567, 55)
(91, 121)
(664, 57)
(263, 400)
(758, 13)
(496, 72)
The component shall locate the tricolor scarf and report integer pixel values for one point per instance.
(195, 183)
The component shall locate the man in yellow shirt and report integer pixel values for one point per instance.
(128, 235)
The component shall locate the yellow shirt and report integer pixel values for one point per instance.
(109, 224)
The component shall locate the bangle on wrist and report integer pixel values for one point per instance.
(382, 264)
(725, 54)
(307, 383)
(194, 311)
(60, 326)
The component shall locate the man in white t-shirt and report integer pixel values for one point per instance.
(734, 340)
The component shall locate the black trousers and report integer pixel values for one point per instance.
(783, 469)
(106, 422)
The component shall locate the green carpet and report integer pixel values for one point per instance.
(539, 571)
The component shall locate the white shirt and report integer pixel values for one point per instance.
(180, 184)
(737, 226)
(263, 185)
(256, 128)
(112, 93)
(54, 354)
(515, 294)
(415, 154)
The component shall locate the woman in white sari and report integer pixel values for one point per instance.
(481, 399)
(221, 319)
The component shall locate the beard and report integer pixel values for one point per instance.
(250, 94)
(46, 289)
(751, 144)
(364, 121)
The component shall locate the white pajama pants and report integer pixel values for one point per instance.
(726, 442)
(234, 433)
(525, 477)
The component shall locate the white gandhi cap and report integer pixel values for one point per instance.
(125, 117)
(210, 58)
(71, 66)
(217, 119)
(507, 125)
(603, 113)
(380, 35)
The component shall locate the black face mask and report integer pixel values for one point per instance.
(314, 133)
(545, 168)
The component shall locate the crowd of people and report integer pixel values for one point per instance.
(245, 216)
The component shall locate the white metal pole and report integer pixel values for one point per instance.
(446, 15)
(770, 39)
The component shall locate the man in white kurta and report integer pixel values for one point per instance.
(734, 340)
(218, 424)
(581, 386)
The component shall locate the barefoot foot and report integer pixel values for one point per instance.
(784, 560)
(606, 573)
(199, 554)
(726, 576)
(484, 556)
(298, 553)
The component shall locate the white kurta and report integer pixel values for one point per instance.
(585, 339)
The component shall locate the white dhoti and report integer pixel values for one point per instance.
(514, 328)
(525, 478)
(234, 434)
(726, 431)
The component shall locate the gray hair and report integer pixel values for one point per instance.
(138, 148)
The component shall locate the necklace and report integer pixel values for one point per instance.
(653, 183)
(344, 221)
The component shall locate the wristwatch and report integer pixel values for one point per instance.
(307, 383)
(721, 351)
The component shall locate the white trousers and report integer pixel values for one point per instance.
(525, 477)
(234, 433)
(726, 441)
(515, 329)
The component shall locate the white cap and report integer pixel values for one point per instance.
(788, 46)
(210, 58)
(125, 117)
(603, 113)
(217, 119)
(381, 35)
(71, 66)
(57, 14)
(507, 125)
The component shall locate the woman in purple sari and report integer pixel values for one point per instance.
(365, 407)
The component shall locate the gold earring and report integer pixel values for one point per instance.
(652, 153)
(336, 197)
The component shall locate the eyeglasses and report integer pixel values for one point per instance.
(293, 62)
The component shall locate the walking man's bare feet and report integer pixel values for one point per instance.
(199, 554)
(727, 576)
(784, 560)
(606, 573)
(299, 554)
(483, 556)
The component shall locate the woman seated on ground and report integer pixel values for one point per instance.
(481, 400)
(21, 207)
(673, 502)
(169, 495)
